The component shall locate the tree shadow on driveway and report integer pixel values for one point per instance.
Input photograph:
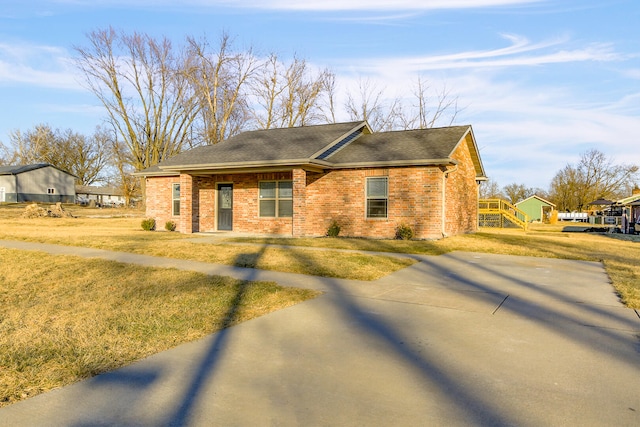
(535, 316)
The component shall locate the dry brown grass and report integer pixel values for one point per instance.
(66, 318)
(619, 253)
(91, 229)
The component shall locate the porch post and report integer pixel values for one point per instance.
(186, 204)
(299, 202)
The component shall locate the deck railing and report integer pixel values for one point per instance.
(498, 213)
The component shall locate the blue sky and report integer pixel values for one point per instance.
(540, 81)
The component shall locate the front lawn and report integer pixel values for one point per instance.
(117, 230)
(67, 318)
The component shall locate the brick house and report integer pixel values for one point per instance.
(297, 181)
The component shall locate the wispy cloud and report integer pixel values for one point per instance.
(37, 65)
(377, 4)
(529, 132)
(317, 5)
(520, 52)
(528, 129)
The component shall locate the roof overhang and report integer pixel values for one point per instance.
(247, 167)
(317, 166)
(397, 163)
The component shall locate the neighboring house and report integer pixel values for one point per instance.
(631, 206)
(536, 208)
(101, 196)
(298, 181)
(39, 182)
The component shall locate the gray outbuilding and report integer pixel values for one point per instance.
(40, 182)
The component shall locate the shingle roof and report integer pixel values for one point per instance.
(410, 145)
(105, 191)
(17, 169)
(265, 146)
(330, 146)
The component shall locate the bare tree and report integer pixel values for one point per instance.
(32, 146)
(303, 89)
(370, 104)
(140, 82)
(594, 177)
(5, 155)
(390, 113)
(328, 107)
(84, 157)
(124, 179)
(220, 80)
(267, 90)
(289, 95)
(428, 115)
(490, 189)
(516, 192)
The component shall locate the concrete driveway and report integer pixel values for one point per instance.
(458, 339)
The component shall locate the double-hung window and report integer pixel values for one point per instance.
(377, 197)
(276, 198)
(175, 199)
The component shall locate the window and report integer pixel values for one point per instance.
(175, 199)
(51, 191)
(377, 197)
(276, 199)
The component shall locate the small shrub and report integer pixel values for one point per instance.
(404, 232)
(149, 224)
(333, 230)
(170, 226)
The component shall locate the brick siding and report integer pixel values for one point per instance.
(415, 199)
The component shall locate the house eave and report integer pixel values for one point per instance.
(246, 167)
(314, 165)
(396, 163)
(234, 165)
(156, 174)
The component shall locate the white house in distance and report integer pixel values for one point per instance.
(40, 182)
(101, 196)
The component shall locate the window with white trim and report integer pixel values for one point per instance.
(175, 199)
(276, 198)
(377, 197)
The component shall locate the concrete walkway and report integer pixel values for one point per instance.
(458, 339)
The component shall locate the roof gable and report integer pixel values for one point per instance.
(332, 146)
(629, 200)
(265, 146)
(534, 197)
(409, 145)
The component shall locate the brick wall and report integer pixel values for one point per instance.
(415, 199)
(158, 200)
(462, 194)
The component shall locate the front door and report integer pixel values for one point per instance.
(225, 206)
